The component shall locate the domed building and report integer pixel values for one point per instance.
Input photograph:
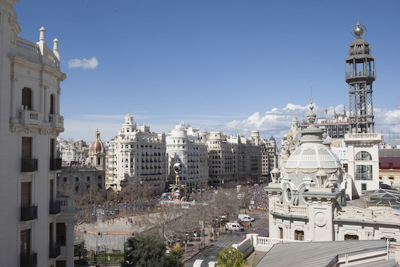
(312, 164)
(307, 197)
(97, 153)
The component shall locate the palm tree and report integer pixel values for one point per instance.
(149, 251)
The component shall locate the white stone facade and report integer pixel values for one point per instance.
(248, 157)
(363, 162)
(73, 153)
(222, 159)
(188, 146)
(36, 225)
(269, 157)
(137, 155)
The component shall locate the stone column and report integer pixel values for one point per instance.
(69, 242)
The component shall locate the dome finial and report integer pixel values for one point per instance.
(358, 31)
(311, 115)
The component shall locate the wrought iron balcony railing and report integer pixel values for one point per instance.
(55, 164)
(29, 165)
(29, 213)
(54, 250)
(55, 207)
(28, 259)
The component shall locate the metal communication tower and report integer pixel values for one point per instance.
(360, 74)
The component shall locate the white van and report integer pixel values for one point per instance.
(233, 226)
(245, 218)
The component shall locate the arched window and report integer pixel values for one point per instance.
(363, 155)
(27, 98)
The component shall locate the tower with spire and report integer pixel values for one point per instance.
(360, 74)
(362, 143)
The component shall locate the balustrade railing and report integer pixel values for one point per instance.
(27, 45)
(269, 242)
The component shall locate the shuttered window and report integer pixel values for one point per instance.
(26, 194)
(26, 241)
(26, 148)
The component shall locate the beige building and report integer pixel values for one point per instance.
(36, 223)
(269, 157)
(233, 159)
(222, 159)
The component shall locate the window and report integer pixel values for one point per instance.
(363, 155)
(27, 98)
(26, 242)
(288, 194)
(299, 235)
(390, 165)
(280, 232)
(363, 172)
(26, 151)
(350, 237)
(363, 187)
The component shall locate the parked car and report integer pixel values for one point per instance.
(233, 226)
(245, 218)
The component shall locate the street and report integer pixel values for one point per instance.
(226, 239)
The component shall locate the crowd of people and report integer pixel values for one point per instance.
(259, 197)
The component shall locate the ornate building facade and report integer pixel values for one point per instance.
(137, 155)
(308, 199)
(188, 146)
(37, 224)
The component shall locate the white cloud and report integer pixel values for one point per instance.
(84, 63)
(277, 121)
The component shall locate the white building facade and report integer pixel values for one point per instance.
(36, 224)
(222, 159)
(188, 146)
(307, 200)
(137, 155)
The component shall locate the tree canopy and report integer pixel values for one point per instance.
(230, 257)
(149, 251)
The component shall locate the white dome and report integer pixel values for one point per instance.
(311, 156)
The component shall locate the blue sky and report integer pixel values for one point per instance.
(216, 64)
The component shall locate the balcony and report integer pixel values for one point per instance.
(55, 164)
(28, 259)
(29, 165)
(29, 213)
(56, 121)
(67, 203)
(55, 207)
(54, 250)
(30, 117)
